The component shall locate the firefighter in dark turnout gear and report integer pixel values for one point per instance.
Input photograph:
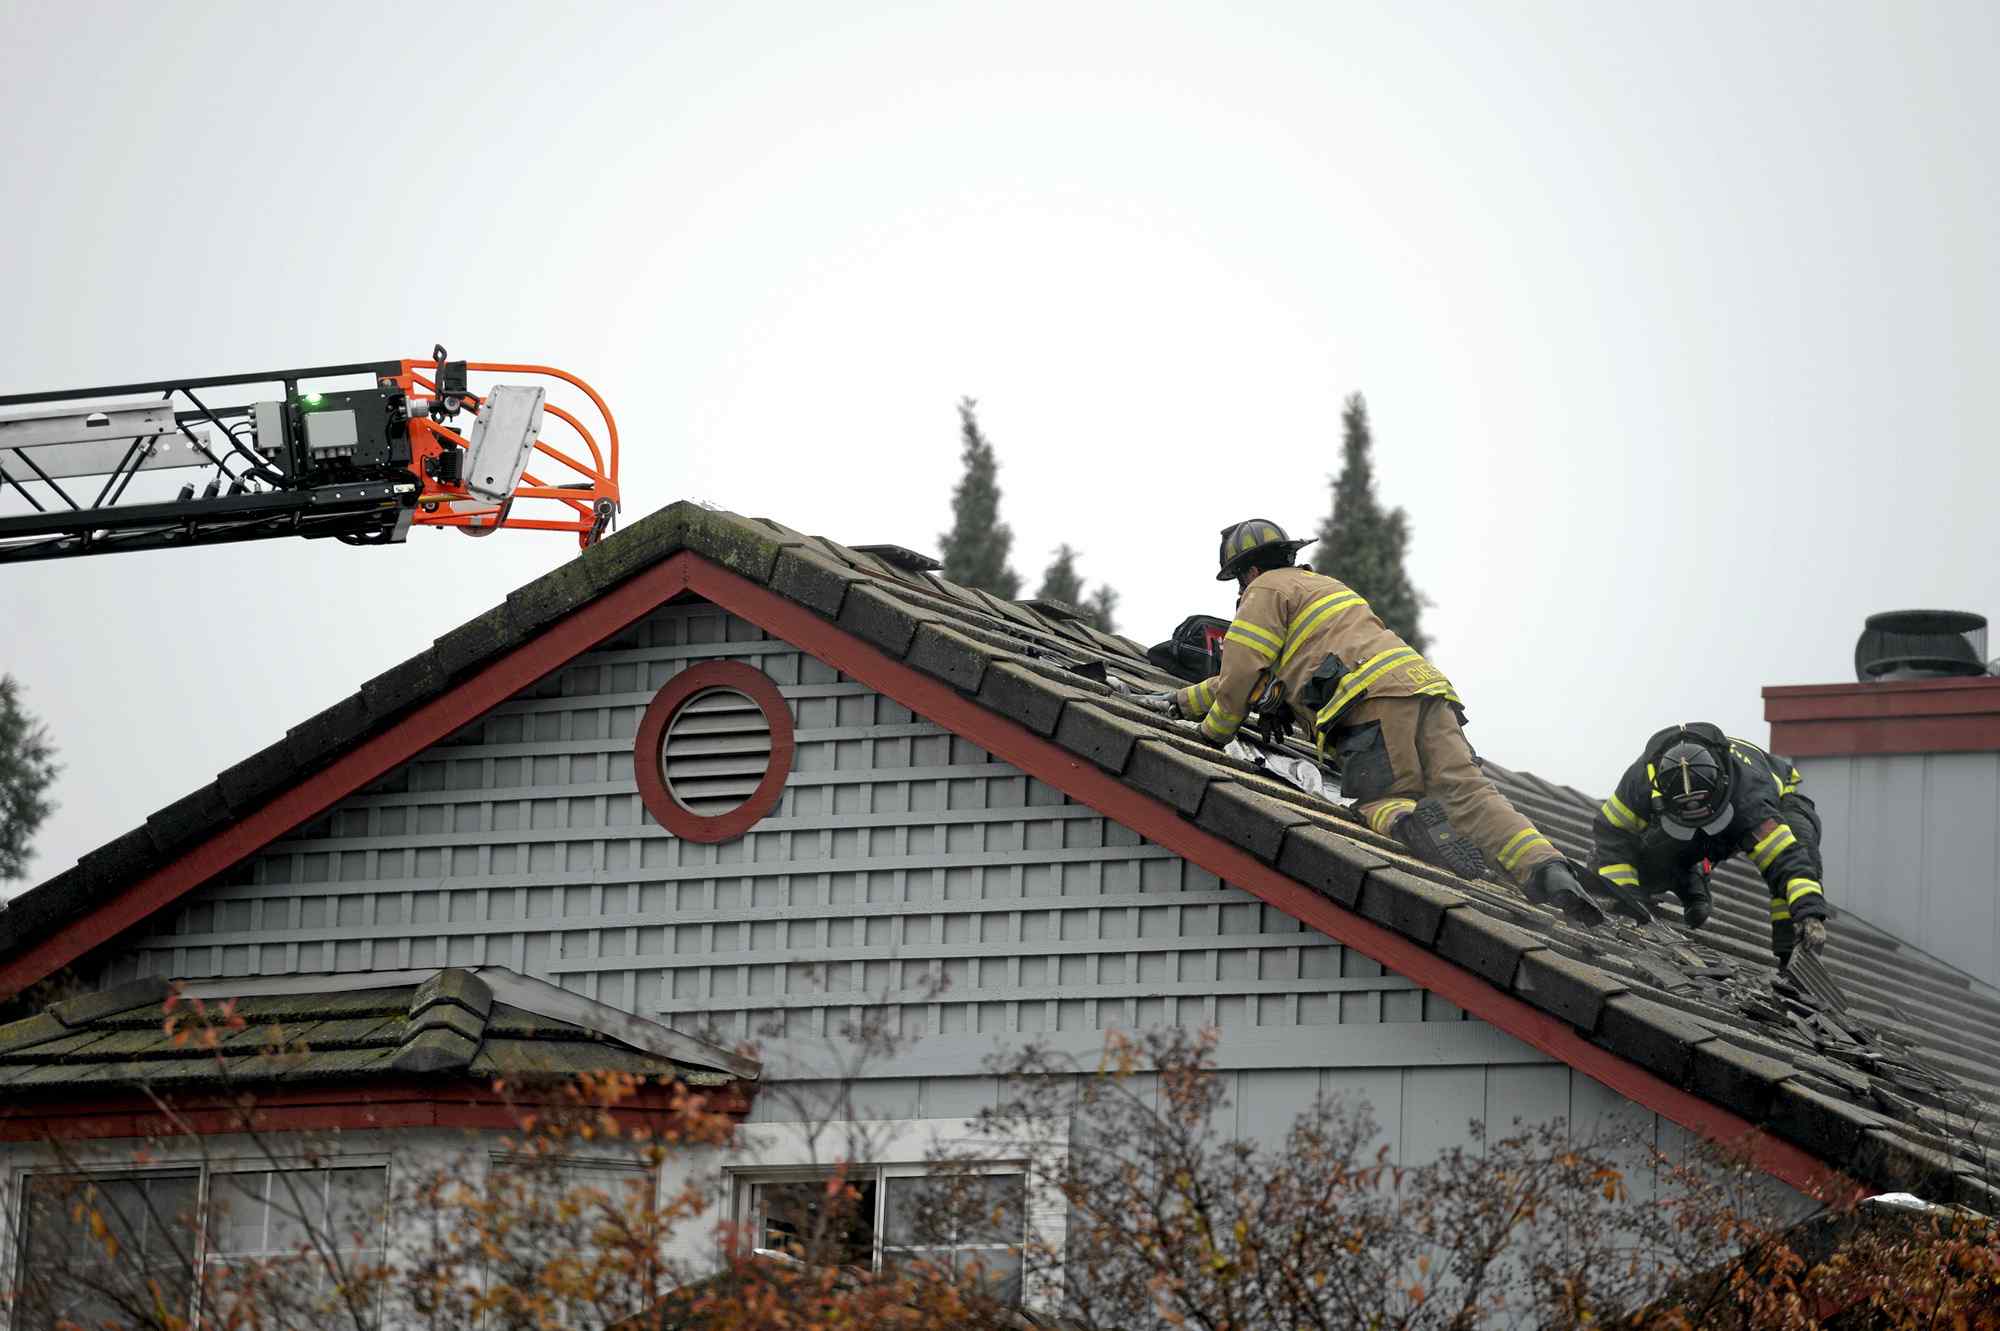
(1694, 798)
(1306, 648)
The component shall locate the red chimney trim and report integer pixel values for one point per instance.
(1903, 716)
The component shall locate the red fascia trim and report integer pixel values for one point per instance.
(1902, 716)
(1080, 780)
(366, 1105)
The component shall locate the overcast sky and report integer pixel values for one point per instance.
(1678, 323)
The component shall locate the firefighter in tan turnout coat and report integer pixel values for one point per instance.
(1308, 645)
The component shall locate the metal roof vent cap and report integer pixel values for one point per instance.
(1920, 644)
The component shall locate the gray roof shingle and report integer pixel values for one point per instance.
(452, 1022)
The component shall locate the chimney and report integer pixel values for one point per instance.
(1921, 644)
(1904, 766)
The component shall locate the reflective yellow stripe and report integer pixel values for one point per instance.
(1357, 682)
(1441, 689)
(1800, 887)
(1778, 911)
(1245, 640)
(1620, 817)
(1390, 811)
(1265, 636)
(1537, 840)
(1220, 723)
(1766, 851)
(1519, 845)
(1204, 698)
(1316, 613)
(1625, 875)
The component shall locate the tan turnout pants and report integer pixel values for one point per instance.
(1427, 754)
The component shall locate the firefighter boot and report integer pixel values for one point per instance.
(1555, 884)
(1428, 832)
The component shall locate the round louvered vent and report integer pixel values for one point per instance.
(717, 750)
(713, 751)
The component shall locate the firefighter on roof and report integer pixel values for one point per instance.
(1694, 798)
(1307, 650)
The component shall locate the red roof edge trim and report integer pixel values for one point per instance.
(359, 1106)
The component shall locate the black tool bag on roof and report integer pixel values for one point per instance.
(1194, 652)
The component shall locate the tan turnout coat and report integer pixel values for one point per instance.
(1288, 622)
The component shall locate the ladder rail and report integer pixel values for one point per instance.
(269, 479)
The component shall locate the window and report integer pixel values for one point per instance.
(713, 751)
(267, 1213)
(72, 1224)
(558, 1204)
(69, 1222)
(971, 1224)
(893, 1213)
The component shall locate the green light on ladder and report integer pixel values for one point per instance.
(312, 399)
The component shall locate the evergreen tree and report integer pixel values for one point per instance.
(1102, 608)
(26, 768)
(1361, 544)
(976, 547)
(1062, 582)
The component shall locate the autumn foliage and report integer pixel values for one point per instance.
(590, 1214)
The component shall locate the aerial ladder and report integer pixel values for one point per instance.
(360, 453)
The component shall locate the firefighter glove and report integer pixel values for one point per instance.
(1161, 703)
(1812, 935)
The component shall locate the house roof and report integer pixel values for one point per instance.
(480, 1022)
(1897, 1091)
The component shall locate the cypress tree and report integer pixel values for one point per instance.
(1103, 609)
(1361, 544)
(1062, 582)
(27, 767)
(976, 547)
